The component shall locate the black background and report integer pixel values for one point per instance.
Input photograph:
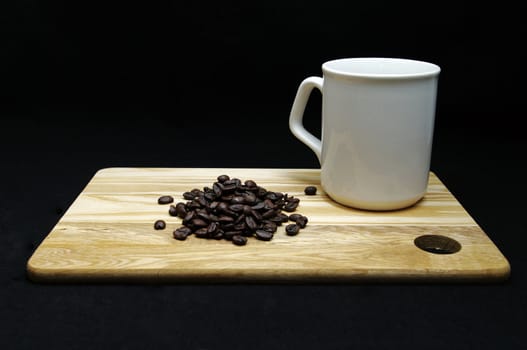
(90, 85)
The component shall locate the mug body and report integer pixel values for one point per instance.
(377, 131)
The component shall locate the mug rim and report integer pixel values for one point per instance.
(426, 69)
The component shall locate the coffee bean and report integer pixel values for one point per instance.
(237, 207)
(238, 200)
(250, 183)
(201, 232)
(228, 187)
(239, 240)
(165, 200)
(223, 178)
(294, 217)
(256, 215)
(231, 233)
(310, 190)
(210, 196)
(269, 226)
(188, 196)
(197, 192)
(283, 217)
(264, 235)
(199, 223)
(172, 211)
(212, 228)
(159, 225)
(292, 229)
(218, 235)
(190, 215)
(258, 206)
(204, 215)
(302, 221)
(182, 233)
(251, 223)
(181, 212)
(274, 196)
(249, 197)
(217, 189)
(269, 214)
(290, 206)
(233, 210)
(225, 219)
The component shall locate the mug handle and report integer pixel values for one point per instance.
(297, 114)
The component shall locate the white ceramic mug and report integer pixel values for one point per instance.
(377, 129)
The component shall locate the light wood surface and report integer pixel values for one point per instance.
(107, 235)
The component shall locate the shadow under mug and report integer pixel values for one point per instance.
(377, 129)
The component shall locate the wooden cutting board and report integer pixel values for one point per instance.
(107, 235)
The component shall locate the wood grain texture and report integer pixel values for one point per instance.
(107, 235)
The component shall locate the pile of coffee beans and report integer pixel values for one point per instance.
(234, 211)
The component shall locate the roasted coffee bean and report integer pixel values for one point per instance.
(229, 182)
(269, 226)
(225, 219)
(188, 196)
(239, 219)
(310, 190)
(204, 215)
(251, 224)
(159, 225)
(277, 220)
(249, 197)
(222, 207)
(165, 200)
(274, 196)
(201, 233)
(250, 183)
(247, 210)
(197, 192)
(294, 217)
(194, 205)
(264, 235)
(172, 211)
(290, 206)
(182, 233)
(240, 226)
(259, 206)
(202, 201)
(218, 235)
(223, 178)
(213, 227)
(302, 221)
(190, 215)
(213, 205)
(239, 240)
(238, 200)
(233, 210)
(261, 193)
(256, 215)
(237, 208)
(231, 233)
(217, 189)
(283, 217)
(181, 211)
(227, 198)
(199, 223)
(269, 214)
(292, 229)
(210, 196)
(268, 204)
(228, 187)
